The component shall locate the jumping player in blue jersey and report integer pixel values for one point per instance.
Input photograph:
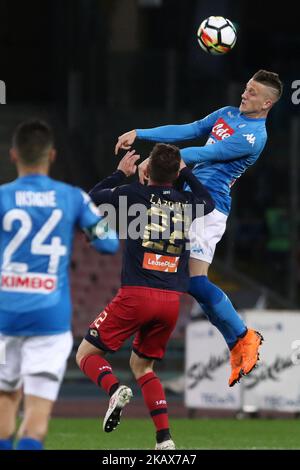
(38, 218)
(154, 274)
(237, 137)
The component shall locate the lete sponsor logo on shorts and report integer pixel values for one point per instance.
(31, 283)
(168, 264)
(221, 130)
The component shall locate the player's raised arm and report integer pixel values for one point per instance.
(103, 191)
(170, 133)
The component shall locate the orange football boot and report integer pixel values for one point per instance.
(250, 344)
(236, 362)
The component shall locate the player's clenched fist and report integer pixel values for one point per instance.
(125, 141)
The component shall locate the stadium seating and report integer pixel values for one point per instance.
(95, 279)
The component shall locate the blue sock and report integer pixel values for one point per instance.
(27, 443)
(218, 309)
(6, 444)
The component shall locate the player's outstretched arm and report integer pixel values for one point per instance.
(170, 133)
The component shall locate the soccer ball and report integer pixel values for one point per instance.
(216, 35)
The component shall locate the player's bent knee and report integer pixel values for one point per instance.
(140, 366)
(134, 364)
(140, 372)
(80, 355)
(86, 349)
(137, 371)
(82, 351)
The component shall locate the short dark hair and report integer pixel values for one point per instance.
(269, 79)
(32, 139)
(164, 163)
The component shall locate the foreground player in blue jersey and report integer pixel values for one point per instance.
(154, 274)
(237, 137)
(38, 218)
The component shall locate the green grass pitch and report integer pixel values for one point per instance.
(194, 434)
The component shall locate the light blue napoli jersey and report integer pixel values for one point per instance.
(38, 217)
(235, 142)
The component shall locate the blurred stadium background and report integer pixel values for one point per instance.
(96, 68)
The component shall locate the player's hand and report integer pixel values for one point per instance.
(143, 171)
(182, 165)
(128, 163)
(125, 141)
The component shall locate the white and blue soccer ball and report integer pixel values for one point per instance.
(217, 35)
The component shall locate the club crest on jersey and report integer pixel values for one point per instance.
(221, 130)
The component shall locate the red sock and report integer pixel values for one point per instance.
(99, 371)
(154, 397)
